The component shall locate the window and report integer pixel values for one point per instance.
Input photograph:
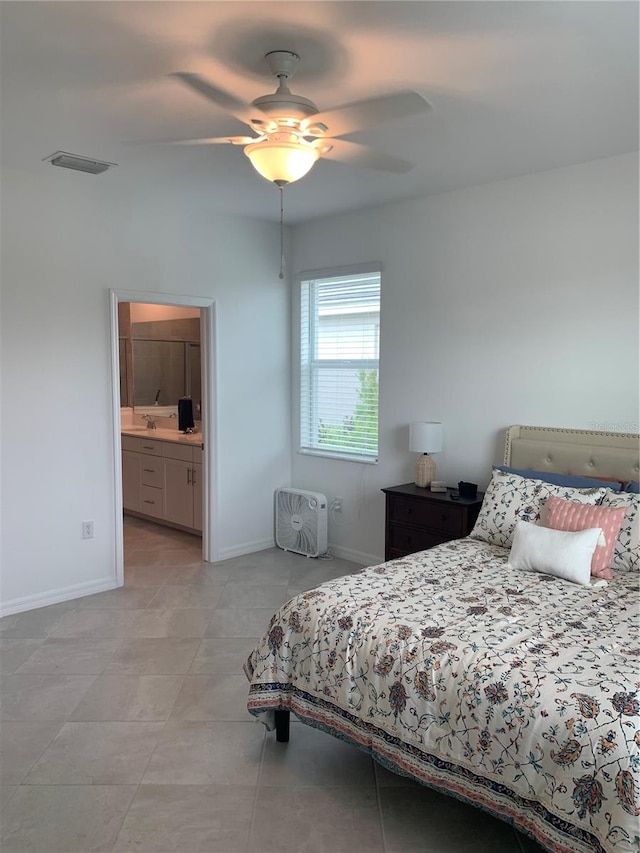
(339, 346)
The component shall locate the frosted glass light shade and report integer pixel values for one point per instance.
(281, 162)
(425, 437)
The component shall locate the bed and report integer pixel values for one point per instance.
(518, 692)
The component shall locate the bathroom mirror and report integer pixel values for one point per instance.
(164, 371)
(159, 358)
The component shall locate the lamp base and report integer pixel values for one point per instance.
(425, 471)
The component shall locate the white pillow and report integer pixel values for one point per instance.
(511, 498)
(555, 552)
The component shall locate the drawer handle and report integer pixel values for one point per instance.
(149, 502)
(149, 470)
(148, 447)
(443, 516)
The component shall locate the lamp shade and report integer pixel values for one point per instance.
(281, 162)
(425, 437)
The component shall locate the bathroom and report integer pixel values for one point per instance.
(161, 434)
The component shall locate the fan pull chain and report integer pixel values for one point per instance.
(281, 233)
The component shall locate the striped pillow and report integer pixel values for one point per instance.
(570, 516)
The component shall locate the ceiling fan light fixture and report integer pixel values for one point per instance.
(281, 162)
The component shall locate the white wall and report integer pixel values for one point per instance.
(514, 302)
(67, 238)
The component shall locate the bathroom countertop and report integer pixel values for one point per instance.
(160, 434)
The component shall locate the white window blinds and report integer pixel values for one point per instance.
(340, 332)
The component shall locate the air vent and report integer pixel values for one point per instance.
(80, 164)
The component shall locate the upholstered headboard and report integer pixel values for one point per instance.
(588, 453)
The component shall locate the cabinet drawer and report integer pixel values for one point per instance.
(404, 540)
(151, 471)
(143, 445)
(130, 443)
(151, 501)
(435, 516)
(170, 450)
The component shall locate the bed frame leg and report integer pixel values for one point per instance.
(282, 726)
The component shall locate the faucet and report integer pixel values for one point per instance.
(151, 422)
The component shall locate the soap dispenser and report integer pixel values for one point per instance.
(185, 414)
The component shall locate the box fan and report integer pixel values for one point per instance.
(301, 522)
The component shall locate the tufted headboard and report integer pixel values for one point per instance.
(588, 453)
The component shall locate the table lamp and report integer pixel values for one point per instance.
(425, 437)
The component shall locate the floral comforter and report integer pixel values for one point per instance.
(517, 692)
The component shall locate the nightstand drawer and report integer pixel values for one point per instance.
(432, 515)
(404, 540)
(417, 519)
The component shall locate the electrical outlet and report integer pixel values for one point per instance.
(87, 530)
(337, 505)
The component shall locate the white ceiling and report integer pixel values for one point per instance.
(516, 87)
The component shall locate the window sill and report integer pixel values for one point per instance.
(343, 457)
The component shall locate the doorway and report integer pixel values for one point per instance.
(177, 360)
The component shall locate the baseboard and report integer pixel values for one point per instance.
(66, 593)
(163, 522)
(355, 556)
(335, 550)
(245, 548)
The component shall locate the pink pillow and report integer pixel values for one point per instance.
(571, 516)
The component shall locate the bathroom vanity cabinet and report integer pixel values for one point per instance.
(162, 479)
(181, 481)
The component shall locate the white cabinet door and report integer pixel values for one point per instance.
(197, 496)
(177, 491)
(131, 480)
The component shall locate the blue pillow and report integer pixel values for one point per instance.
(633, 487)
(567, 480)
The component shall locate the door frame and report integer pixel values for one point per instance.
(208, 338)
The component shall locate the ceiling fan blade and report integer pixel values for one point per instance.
(344, 151)
(363, 114)
(205, 140)
(241, 110)
(214, 140)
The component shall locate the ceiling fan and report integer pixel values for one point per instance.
(291, 133)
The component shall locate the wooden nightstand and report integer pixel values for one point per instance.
(418, 518)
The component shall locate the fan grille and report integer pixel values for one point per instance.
(299, 522)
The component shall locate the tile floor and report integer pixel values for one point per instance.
(124, 726)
